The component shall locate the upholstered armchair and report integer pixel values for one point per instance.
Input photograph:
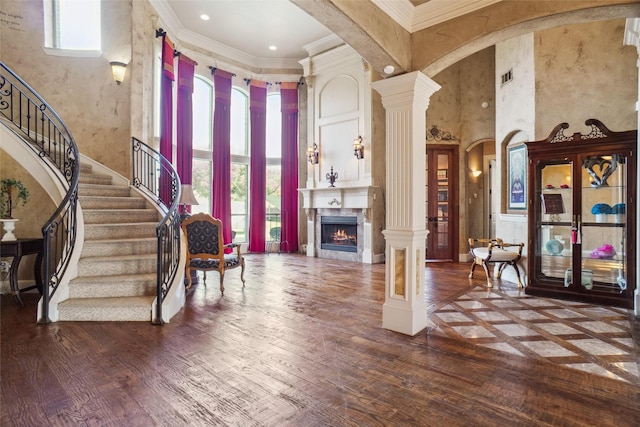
(206, 248)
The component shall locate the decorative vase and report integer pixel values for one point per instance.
(620, 218)
(602, 217)
(8, 225)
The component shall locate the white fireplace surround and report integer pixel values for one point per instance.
(337, 201)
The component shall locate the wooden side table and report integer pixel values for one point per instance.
(16, 249)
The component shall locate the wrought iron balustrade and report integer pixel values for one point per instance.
(29, 116)
(154, 175)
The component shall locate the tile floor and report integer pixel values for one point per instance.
(592, 338)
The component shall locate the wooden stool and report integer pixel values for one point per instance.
(494, 252)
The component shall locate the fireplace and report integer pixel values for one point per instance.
(339, 233)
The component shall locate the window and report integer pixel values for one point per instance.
(202, 143)
(274, 150)
(239, 164)
(202, 114)
(73, 25)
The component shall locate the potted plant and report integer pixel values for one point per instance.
(601, 210)
(12, 193)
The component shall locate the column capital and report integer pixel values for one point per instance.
(413, 88)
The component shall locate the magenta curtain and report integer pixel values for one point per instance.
(186, 70)
(258, 166)
(289, 201)
(221, 186)
(166, 119)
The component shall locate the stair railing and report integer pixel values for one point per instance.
(154, 175)
(29, 116)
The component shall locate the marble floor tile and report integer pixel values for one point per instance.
(599, 326)
(454, 317)
(514, 330)
(597, 347)
(528, 314)
(473, 332)
(491, 316)
(471, 304)
(539, 303)
(503, 303)
(558, 328)
(565, 313)
(547, 349)
(502, 346)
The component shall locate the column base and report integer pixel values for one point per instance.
(406, 321)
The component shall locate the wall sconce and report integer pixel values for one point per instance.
(312, 154)
(358, 148)
(117, 70)
(476, 173)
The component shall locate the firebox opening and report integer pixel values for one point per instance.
(339, 233)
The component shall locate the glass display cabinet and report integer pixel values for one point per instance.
(581, 207)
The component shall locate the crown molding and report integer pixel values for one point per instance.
(430, 13)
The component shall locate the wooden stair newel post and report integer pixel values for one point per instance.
(405, 99)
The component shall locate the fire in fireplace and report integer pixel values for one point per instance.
(339, 233)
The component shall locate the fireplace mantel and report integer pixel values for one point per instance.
(339, 197)
(341, 201)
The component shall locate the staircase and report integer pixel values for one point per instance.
(117, 268)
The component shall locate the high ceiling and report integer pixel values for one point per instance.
(244, 30)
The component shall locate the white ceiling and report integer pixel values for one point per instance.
(243, 30)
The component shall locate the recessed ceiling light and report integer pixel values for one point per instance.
(272, 47)
(204, 17)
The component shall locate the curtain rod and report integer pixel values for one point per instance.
(213, 70)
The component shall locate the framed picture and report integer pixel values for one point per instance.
(517, 169)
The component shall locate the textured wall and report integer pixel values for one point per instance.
(583, 71)
(81, 90)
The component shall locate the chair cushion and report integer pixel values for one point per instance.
(497, 254)
(230, 261)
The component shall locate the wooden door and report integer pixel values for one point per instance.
(441, 203)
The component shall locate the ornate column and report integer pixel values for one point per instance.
(632, 38)
(405, 99)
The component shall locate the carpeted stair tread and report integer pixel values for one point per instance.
(118, 216)
(119, 247)
(117, 278)
(113, 286)
(116, 265)
(107, 309)
(112, 202)
(122, 258)
(120, 230)
(91, 178)
(103, 190)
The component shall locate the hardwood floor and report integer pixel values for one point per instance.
(301, 345)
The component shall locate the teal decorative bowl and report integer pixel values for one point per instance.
(554, 247)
